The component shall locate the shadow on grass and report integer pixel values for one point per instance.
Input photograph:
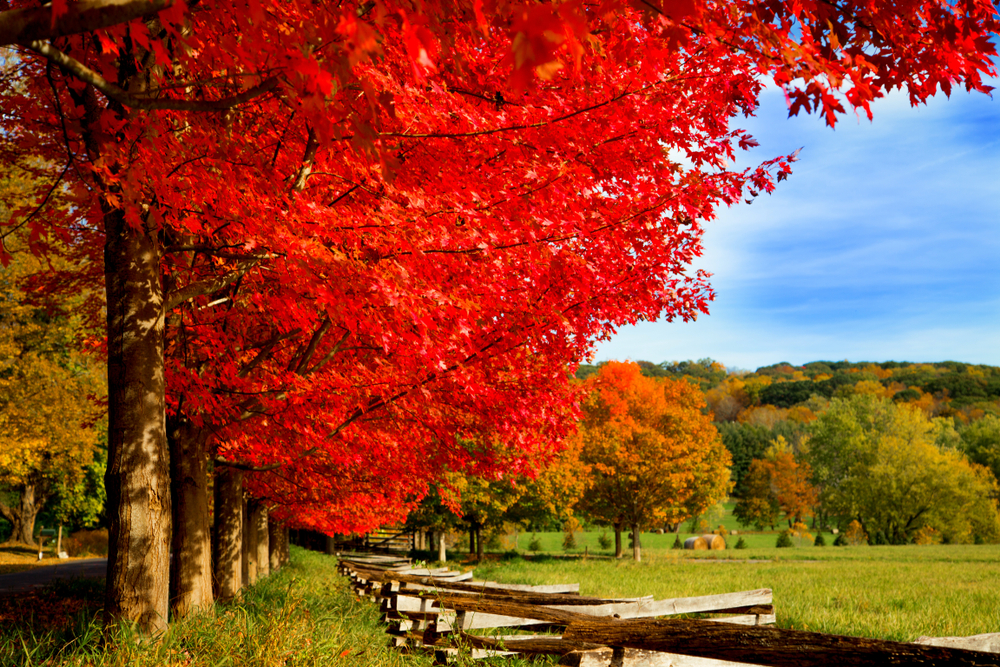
(34, 626)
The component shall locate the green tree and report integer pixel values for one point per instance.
(981, 442)
(756, 500)
(878, 463)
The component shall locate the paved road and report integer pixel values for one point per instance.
(21, 582)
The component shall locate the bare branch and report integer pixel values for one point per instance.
(206, 286)
(219, 461)
(299, 362)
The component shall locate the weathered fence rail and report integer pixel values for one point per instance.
(445, 611)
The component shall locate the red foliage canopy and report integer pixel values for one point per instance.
(384, 224)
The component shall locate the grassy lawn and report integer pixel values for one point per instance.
(888, 592)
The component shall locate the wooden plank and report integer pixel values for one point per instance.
(988, 643)
(564, 589)
(484, 621)
(631, 657)
(642, 609)
(538, 645)
(770, 646)
(454, 583)
(443, 588)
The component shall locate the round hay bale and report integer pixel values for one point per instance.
(714, 542)
(698, 543)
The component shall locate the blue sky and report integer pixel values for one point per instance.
(884, 244)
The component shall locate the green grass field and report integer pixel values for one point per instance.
(888, 592)
(306, 615)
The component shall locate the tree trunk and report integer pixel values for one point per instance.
(283, 546)
(618, 540)
(472, 539)
(191, 567)
(22, 516)
(274, 533)
(261, 544)
(479, 544)
(227, 548)
(138, 476)
(442, 548)
(249, 559)
(636, 543)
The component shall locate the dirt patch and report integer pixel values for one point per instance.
(21, 557)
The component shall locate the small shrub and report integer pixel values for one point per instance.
(880, 539)
(721, 531)
(86, 543)
(841, 541)
(569, 533)
(800, 532)
(604, 541)
(856, 534)
(927, 535)
(784, 540)
(535, 544)
(740, 543)
(569, 541)
(493, 542)
(820, 541)
(677, 543)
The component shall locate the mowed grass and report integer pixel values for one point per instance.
(304, 614)
(887, 592)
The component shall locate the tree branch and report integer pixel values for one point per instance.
(113, 92)
(18, 26)
(219, 461)
(206, 286)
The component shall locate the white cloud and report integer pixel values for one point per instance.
(882, 245)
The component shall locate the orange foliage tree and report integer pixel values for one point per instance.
(777, 482)
(654, 456)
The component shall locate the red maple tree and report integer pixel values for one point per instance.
(453, 200)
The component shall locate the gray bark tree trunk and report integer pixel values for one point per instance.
(274, 532)
(227, 547)
(442, 548)
(191, 569)
(636, 543)
(618, 540)
(261, 543)
(248, 559)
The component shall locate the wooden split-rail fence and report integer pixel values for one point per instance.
(447, 612)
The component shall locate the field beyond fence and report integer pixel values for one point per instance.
(885, 592)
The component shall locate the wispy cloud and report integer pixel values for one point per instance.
(884, 244)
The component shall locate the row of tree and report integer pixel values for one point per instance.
(645, 454)
(346, 247)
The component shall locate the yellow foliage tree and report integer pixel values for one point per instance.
(47, 387)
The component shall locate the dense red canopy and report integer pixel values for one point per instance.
(387, 225)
